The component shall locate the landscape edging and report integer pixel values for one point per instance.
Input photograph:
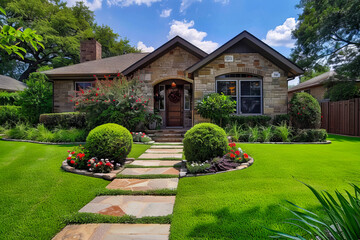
(183, 170)
(327, 142)
(59, 143)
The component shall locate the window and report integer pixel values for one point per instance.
(228, 88)
(162, 97)
(82, 85)
(245, 89)
(187, 97)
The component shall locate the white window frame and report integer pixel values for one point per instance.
(236, 88)
(162, 110)
(189, 89)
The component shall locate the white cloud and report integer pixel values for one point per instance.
(185, 30)
(222, 1)
(166, 13)
(281, 35)
(186, 3)
(93, 5)
(126, 3)
(143, 48)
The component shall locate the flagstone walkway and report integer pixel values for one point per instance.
(159, 160)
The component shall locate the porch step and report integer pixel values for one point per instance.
(166, 135)
(165, 139)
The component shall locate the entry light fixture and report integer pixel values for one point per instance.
(173, 85)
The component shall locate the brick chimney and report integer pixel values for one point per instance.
(90, 50)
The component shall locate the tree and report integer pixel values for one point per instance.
(328, 31)
(316, 71)
(10, 38)
(62, 29)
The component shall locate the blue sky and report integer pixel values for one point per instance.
(206, 23)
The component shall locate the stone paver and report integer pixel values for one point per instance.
(143, 184)
(160, 156)
(143, 171)
(162, 150)
(115, 231)
(166, 147)
(155, 163)
(138, 206)
(168, 143)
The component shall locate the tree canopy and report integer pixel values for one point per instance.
(328, 33)
(62, 29)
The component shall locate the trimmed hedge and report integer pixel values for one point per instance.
(310, 135)
(7, 98)
(250, 121)
(204, 141)
(10, 115)
(111, 141)
(63, 120)
(279, 119)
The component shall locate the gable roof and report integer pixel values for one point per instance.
(11, 84)
(316, 81)
(176, 41)
(260, 47)
(110, 65)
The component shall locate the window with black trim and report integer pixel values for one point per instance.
(82, 85)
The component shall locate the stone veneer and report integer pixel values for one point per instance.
(171, 65)
(62, 92)
(274, 90)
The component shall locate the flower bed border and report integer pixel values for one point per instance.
(58, 143)
(107, 176)
(327, 142)
(183, 170)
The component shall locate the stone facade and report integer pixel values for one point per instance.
(62, 93)
(315, 91)
(274, 89)
(171, 65)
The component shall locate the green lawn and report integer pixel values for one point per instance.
(36, 195)
(237, 205)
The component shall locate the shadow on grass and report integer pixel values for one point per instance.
(248, 224)
(341, 138)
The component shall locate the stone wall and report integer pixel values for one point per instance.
(62, 92)
(274, 90)
(171, 65)
(317, 92)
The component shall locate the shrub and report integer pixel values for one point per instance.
(342, 90)
(267, 133)
(10, 115)
(279, 119)
(236, 132)
(113, 101)
(110, 141)
(305, 111)
(36, 98)
(7, 98)
(204, 141)
(283, 132)
(63, 120)
(250, 121)
(254, 134)
(17, 132)
(311, 135)
(216, 107)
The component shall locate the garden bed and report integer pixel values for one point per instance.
(184, 172)
(48, 143)
(327, 142)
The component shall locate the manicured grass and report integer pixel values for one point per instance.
(138, 149)
(36, 195)
(239, 204)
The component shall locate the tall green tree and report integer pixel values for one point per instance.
(328, 31)
(62, 29)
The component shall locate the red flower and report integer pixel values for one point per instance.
(73, 152)
(131, 133)
(108, 164)
(96, 94)
(232, 155)
(237, 152)
(100, 163)
(144, 101)
(68, 158)
(89, 165)
(72, 161)
(143, 133)
(142, 136)
(113, 100)
(232, 144)
(246, 156)
(132, 95)
(98, 89)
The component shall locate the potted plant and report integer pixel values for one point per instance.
(153, 121)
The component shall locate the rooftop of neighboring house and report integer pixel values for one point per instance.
(10, 84)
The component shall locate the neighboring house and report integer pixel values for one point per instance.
(9, 84)
(244, 68)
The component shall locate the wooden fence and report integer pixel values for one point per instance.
(341, 117)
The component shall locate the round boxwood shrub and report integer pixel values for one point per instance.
(204, 141)
(305, 111)
(110, 141)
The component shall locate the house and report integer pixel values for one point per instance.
(9, 84)
(314, 86)
(178, 74)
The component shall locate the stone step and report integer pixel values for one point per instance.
(161, 156)
(163, 150)
(158, 146)
(166, 135)
(163, 140)
(144, 184)
(107, 231)
(155, 163)
(137, 206)
(173, 130)
(150, 171)
(169, 143)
